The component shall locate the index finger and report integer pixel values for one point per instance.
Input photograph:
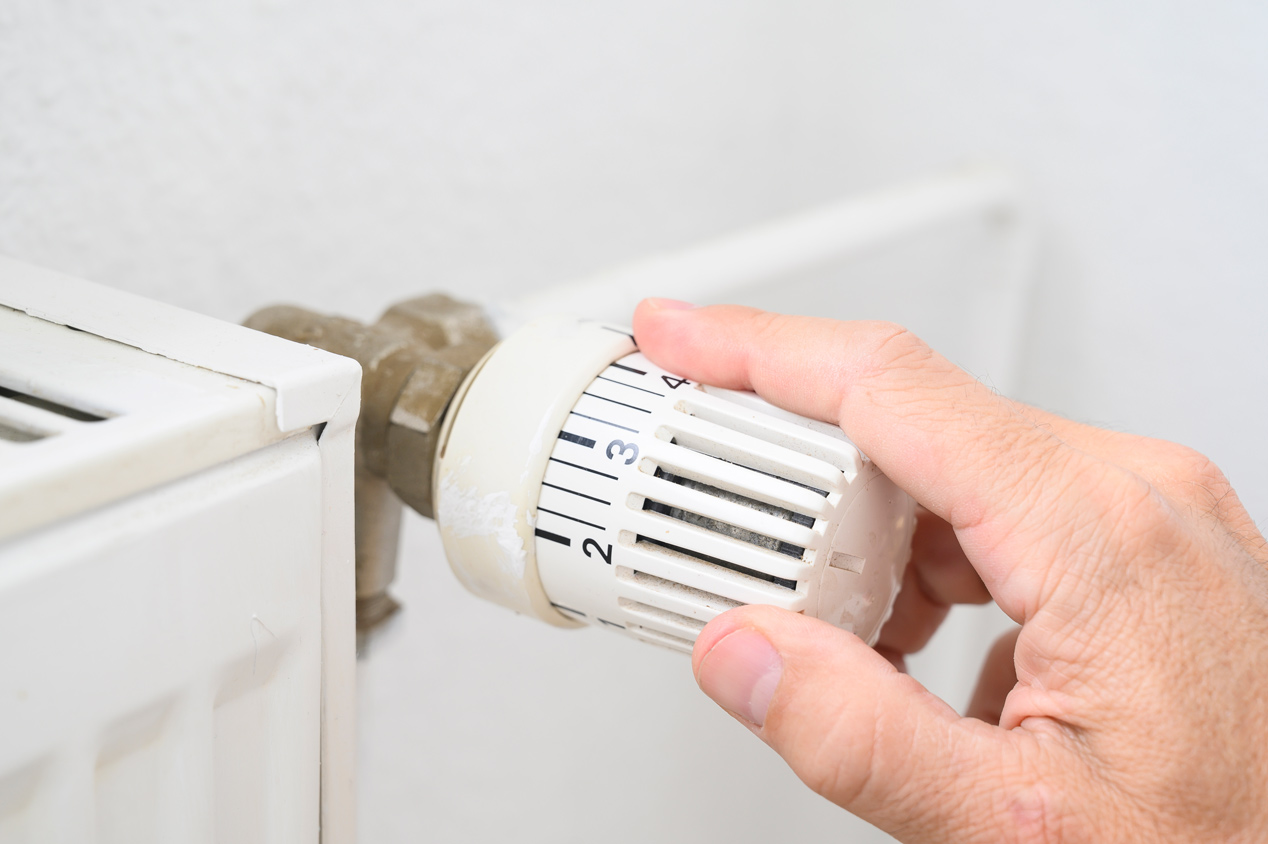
(961, 450)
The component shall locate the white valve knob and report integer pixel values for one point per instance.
(579, 483)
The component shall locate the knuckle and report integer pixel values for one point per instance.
(827, 774)
(842, 765)
(1191, 467)
(1036, 471)
(1030, 816)
(770, 328)
(1031, 795)
(1198, 487)
(1126, 539)
(1093, 528)
(889, 345)
(895, 368)
(1125, 511)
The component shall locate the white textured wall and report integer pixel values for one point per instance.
(225, 155)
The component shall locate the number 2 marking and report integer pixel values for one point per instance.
(590, 543)
(620, 447)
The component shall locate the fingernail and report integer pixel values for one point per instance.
(670, 305)
(740, 673)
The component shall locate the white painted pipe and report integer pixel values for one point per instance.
(784, 247)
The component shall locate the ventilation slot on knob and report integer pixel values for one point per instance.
(670, 595)
(733, 531)
(665, 612)
(655, 545)
(658, 638)
(675, 624)
(730, 428)
(750, 417)
(733, 462)
(727, 529)
(14, 434)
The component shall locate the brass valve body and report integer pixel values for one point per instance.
(413, 361)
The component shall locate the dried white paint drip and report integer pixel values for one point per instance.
(466, 514)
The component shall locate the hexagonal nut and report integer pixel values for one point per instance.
(441, 321)
(414, 428)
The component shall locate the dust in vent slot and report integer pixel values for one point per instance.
(17, 435)
(680, 591)
(714, 561)
(658, 638)
(50, 406)
(733, 531)
(656, 616)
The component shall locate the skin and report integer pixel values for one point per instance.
(1131, 704)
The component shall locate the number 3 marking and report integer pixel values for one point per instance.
(619, 447)
(590, 543)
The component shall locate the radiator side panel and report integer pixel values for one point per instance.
(163, 662)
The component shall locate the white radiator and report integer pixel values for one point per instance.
(176, 574)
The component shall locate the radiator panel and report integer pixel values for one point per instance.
(163, 663)
(176, 574)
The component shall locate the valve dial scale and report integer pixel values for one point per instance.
(578, 482)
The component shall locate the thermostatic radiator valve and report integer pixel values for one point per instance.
(579, 483)
(575, 481)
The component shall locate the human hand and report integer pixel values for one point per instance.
(1132, 704)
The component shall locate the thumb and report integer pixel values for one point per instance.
(864, 735)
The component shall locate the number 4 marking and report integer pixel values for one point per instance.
(674, 383)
